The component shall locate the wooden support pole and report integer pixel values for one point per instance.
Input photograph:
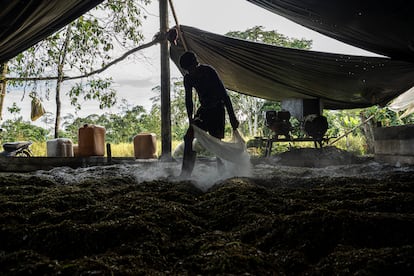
(3, 87)
(165, 85)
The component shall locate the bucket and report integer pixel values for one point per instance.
(91, 141)
(145, 146)
(60, 147)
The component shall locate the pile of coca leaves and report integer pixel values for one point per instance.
(240, 226)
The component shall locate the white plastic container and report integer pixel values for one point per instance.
(60, 147)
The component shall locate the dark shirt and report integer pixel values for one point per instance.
(209, 87)
(211, 92)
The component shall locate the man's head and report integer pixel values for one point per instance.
(188, 60)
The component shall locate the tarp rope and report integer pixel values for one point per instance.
(178, 25)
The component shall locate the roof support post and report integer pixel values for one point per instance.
(165, 84)
(3, 87)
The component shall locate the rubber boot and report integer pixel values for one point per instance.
(188, 163)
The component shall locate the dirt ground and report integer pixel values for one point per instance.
(339, 215)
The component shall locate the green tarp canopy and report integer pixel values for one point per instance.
(384, 27)
(23, 23)
(277, 73)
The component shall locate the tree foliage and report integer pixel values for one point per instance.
(120, 127)
(18, 130)
(252, 108)
(88, 43)
(259, 34)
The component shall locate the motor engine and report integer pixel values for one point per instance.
(315, 126)
(278, 122)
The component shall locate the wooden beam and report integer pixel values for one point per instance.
(165, 85)
(3, 87)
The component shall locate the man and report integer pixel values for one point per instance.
(213, 99)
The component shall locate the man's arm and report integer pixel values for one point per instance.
(229, 106)
(188, 99)
(226, 99)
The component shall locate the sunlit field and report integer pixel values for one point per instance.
(118, 150)
(354, 144)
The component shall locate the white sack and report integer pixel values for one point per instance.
(404, 102)
(233, 151)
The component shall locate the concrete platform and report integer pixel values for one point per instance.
(394, 144)
(29, 164)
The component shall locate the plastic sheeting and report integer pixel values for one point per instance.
(383, 27)
(233, 151)
(277, 73)
(23, 23)
(404, 102)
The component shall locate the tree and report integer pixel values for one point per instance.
(19, 130)
(120, 127)
(258, 34)
(80, 48)
(150, 122)
(253, 107)
(179, 121)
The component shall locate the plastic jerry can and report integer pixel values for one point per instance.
(145, 146)
(60, 147)
(91, 141)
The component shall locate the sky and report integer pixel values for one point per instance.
(136, 76)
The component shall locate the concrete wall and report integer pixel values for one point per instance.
(394, 145)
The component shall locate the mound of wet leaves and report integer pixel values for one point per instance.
(317, 157)
(240, 226)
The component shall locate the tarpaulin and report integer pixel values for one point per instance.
(404, 102)
(277, 73)
(383, 27)
(23, 23)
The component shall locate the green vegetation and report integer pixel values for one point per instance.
(90, 46)
(80, 50)
(132, 120)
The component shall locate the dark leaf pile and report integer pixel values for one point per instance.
(242, 226)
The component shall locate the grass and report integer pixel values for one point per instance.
(352, 143)
(39, 149)
(118, 150)
(355, 144)
(122, 150)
